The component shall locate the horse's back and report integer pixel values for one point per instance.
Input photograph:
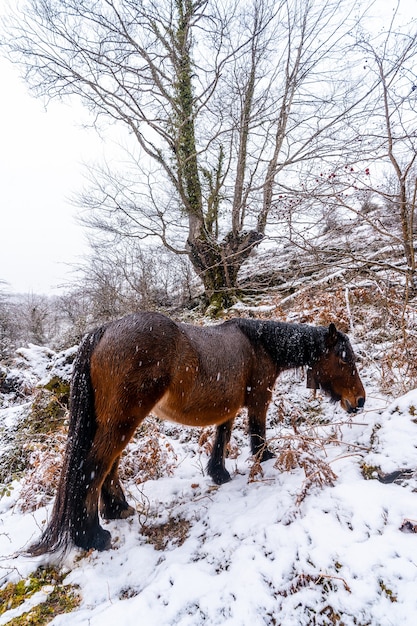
(220, 347)
(127, 334)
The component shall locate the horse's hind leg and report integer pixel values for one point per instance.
(216, 467)
(102, 462)
(113, 504)
(87, 532)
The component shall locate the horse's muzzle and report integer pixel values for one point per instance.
(360, 403)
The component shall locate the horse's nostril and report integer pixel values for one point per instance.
(361, 402)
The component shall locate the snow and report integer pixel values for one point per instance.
(254, 553)
(45, 363)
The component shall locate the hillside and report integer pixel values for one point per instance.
(324, 534)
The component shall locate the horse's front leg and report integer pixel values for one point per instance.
(216, 467)
(257, 433)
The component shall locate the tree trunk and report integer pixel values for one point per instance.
(218, 263)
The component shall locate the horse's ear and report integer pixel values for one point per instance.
(331, 338)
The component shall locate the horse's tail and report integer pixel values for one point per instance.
(59, 533)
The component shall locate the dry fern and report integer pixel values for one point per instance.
(41, 479)
(149, 456)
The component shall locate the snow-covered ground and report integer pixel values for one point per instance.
(253, 552)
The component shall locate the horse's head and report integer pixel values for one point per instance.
(335, 372)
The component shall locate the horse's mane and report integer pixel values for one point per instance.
(289, 345)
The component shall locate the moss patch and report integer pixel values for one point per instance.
(62, 599)
(47, 415)
(60, 388)
(370, 472)
(388, 592)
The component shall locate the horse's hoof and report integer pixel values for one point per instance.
(220, 476)
(103, 541)
(266, 455)
(128, 512)
(100, 540)
(121, 511)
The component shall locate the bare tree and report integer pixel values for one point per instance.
(28, 318)
(394, 64)
(114, 282)
(373, 185)
(7, 327)
(37, 319)
(225, 103)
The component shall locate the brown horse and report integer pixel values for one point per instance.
(192, 375)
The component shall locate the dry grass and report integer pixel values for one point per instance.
(171, 533)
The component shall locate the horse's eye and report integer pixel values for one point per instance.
(344, 357)
(347, 358)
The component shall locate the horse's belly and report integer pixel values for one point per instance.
(195, 414)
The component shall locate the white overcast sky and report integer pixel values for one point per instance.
(42, 157)
(41, 165)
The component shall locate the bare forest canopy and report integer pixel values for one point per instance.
(250, 125)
